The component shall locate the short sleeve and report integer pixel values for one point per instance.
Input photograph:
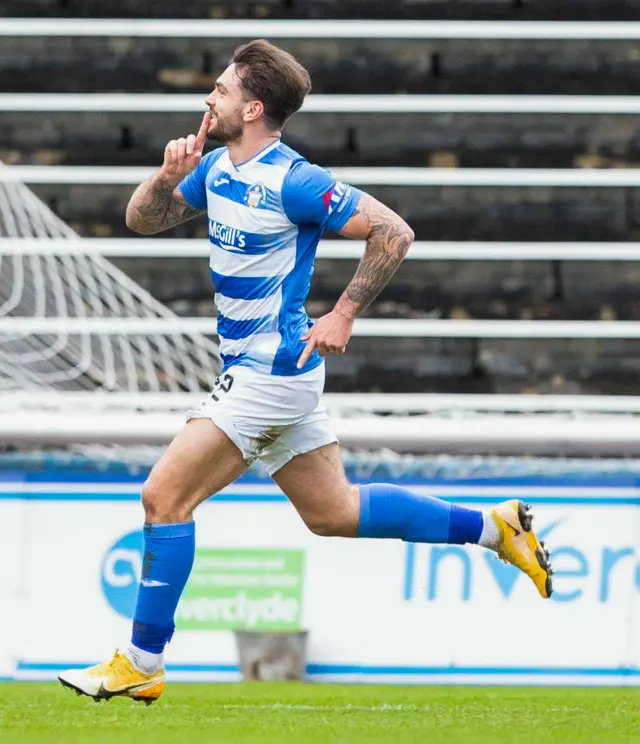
(194, 185)
(311, 194)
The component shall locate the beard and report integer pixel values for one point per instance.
(226, 130)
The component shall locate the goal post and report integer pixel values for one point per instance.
(78, 288)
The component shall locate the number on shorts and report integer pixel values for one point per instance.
(222, 384)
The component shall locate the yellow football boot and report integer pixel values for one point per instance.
(520, 546)
(115, 677)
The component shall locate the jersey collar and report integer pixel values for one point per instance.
(257, 156)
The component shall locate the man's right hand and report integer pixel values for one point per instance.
(181, 156)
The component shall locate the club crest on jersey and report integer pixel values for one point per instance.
(256, 196)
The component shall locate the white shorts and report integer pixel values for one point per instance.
(268, 417)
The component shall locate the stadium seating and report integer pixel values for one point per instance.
(464, 140)
(454, 9)
(513, 289)
(338, 66)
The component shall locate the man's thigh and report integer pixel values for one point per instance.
(317, 486)
(200, 461)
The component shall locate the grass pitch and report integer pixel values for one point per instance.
(310, 714)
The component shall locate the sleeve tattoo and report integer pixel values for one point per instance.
(156, 206)
(387, 244)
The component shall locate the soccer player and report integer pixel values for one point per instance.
(267, 209)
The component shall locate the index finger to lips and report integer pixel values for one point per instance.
(204, 128)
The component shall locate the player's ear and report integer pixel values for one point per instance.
(253, 110)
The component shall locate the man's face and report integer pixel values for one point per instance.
(227, 104)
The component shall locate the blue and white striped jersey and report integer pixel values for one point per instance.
(266, 217)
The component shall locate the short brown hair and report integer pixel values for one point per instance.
(274, 77)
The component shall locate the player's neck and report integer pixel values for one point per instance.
(249, 145)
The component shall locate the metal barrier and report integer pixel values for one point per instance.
(352, 104)
(313, 29)
(511, 177)
(441, 250)
(370, 327)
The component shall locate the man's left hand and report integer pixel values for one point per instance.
(329, 335)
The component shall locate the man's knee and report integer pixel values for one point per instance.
(339, 521)
(330, 526)
(161, 505)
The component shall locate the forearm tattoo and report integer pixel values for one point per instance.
(387, 244)
(155, 207)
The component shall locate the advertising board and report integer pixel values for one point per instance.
(382, 611)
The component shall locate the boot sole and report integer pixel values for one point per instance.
(525, 517)
(104, 695)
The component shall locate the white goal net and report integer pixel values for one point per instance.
(84, 286)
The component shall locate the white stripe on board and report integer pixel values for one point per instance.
(576, 680)
(490, 680)
(528, 491)
(256, 489)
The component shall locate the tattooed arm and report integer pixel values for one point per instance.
(156, 205)
(388, 239)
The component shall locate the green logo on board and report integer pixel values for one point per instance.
(243, 589)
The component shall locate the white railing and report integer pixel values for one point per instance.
(440, 250)
(339, 404)
(333, 29)
(353, 104)
(365, 327)
(495, 434)
(404, 403)
(510, 177)
(458, 424)
(461, 424)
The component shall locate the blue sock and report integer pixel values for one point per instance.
(169, 551)
(392, 511)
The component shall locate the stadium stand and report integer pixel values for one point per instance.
(510, 289)
(436, 9)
